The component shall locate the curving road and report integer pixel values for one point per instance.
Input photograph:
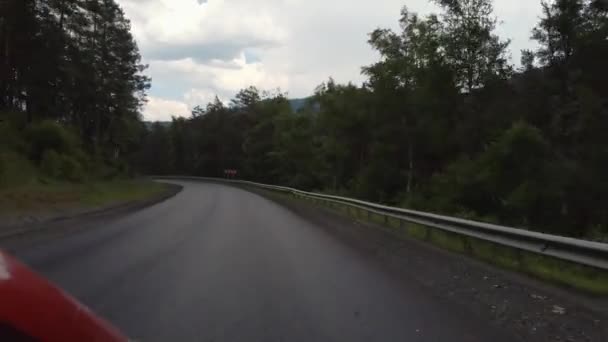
(217, 263)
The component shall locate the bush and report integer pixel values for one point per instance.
(48, 150)
(51, 164)
(60, 166)
(11, 139)
(49, 135)
(15, 169)
(72, 170)
(101, 168)
(513, 181)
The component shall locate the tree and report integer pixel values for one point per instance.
(261, 163)
(197, 112)
(344, 132)
(559, 30)
(513, 181)
(246, 98)
(74, 61)
(527, 60)
(414, 97)
(471, 47)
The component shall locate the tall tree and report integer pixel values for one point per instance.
(74, 61)
(472, 47)
(414, 95)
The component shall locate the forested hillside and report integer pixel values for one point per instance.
(71, 87)
(444, 123)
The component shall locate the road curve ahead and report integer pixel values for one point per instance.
(217, 263)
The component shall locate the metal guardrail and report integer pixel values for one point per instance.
(589, 253)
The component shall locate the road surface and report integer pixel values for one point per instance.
(217, 263)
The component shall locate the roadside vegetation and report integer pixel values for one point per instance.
(44, 168)
(71, 89)
(445, 123)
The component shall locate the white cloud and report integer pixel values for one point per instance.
(217, 29)
(222, 75)
(158, 109)
(222, 78)
(198, 49)
(517, 20)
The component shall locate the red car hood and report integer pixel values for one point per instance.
(33, 307)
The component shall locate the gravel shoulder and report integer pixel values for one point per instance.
(532, 310)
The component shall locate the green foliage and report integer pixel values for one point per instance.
(57, 150)
(589, 279)
(474, 51)
(71, 88)
(517, 177)
(62, 167)
(49, 135)
(71, 169)
(246, 98)
(75, 63)
(15, 169)
(49, 151)
(11, 137)
(51, 164)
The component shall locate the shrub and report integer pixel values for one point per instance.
(50, 135)
(11, 138)
(60, 166)
(51, 164)
(71, 169)
(15, 169)
(513, 181)
(101, 168)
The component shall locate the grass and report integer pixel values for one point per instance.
(377, 218)
(447, 240)
(565, 273)
(361, 214)
(123, 191)
(417, 231)
(496, 254)
(394, 223)
(51, 196)
(352, 212)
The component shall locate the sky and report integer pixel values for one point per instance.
(197, 49)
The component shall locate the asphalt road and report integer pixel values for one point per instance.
(217, 263)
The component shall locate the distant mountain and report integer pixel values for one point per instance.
(296, 105)
(299, 104)
(149, 124)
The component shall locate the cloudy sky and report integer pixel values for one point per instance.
(199, 48)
